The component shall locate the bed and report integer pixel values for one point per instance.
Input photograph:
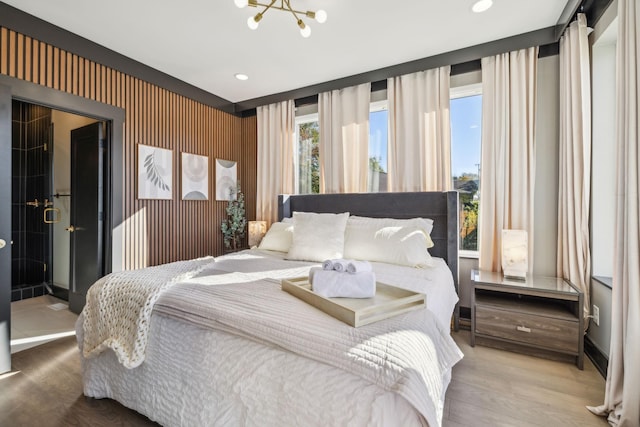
(221, 344)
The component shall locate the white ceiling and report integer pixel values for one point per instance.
(206, 42)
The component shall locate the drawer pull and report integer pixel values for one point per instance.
(523, 329)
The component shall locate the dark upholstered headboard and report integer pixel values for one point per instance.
(441, 207)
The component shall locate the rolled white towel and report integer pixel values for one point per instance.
(358, 267)
(337, 264)
(333, 284)
(340, 265)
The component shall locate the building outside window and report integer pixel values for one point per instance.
(466, 135)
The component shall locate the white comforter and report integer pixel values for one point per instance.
(259, 381)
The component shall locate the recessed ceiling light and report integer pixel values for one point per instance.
(241, 76)
(481, 5)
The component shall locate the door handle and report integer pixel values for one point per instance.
(3, 243)
(70, 229)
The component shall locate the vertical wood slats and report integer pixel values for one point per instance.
(155, 231)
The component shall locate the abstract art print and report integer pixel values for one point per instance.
(226, 179)
(155, 172)
(195, 174)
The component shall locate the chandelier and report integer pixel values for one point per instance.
(284, 5)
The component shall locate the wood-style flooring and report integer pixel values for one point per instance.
(489, 388)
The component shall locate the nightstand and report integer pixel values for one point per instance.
(541, 316)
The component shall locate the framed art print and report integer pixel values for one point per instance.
(155, 172)
(195, 177)
(226, 179)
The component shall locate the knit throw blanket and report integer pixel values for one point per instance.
(118, 309)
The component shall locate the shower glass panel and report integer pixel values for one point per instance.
(31, 196)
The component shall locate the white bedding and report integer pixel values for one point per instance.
(194, 375)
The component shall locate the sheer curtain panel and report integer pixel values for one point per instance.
(276, 128)
(574, 260)
(419, 131)
(622, 392)
(507, 172)
(343, 116)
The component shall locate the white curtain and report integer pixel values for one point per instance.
(419, 131)
(343, 117)
(507, 162)
(622, 392)
(574, 259)
(276, 172)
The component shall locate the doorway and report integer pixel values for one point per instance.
(41, 200)
(58, 201)
(10, 89)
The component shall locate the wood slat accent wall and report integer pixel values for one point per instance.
(155, 231)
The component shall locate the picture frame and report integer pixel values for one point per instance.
(194, 176)
(155, 173)
(226, 179)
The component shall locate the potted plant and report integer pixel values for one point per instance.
(235, 226)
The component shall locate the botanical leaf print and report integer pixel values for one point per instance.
(152, 172)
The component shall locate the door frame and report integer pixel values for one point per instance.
(36, 94)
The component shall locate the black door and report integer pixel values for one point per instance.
(86, 228)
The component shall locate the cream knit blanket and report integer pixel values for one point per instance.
(119, 305)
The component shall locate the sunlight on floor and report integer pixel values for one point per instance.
(35, 321)
(42, 338)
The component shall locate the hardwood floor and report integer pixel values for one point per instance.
(489, 388)
(496, 388)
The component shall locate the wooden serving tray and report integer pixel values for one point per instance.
(389, 301)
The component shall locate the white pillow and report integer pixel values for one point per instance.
(393, 245)
(278, 238)
(317, 236)
(425, 224)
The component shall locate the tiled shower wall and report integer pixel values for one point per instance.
(31, 172)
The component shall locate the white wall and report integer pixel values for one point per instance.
(63, 123)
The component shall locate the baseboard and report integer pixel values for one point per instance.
(59, 292)
(599, 359)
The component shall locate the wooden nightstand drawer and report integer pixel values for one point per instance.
(543, 332)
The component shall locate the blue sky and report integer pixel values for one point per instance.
(466, 120)
(378, 136)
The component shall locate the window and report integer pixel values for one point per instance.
(466, 134)
(308, 154)
(378, 134)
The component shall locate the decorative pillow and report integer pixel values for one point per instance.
(393, 245)
(278, 238)
(425, 224)
(317, 236)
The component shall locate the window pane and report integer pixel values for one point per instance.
(308, 158)
(378, 125)
(466, 121)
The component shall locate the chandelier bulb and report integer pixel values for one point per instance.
(321, 16)
(253, 21)
(241, 3)
(305, 31)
